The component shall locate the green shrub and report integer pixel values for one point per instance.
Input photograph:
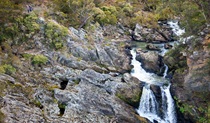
(27, 56)
(128, 8)
(165, 12)
(105, 15)
(55, 34)
(8, 69)
(39, 59)
(2, 70)
(30, 23)
(145, 18)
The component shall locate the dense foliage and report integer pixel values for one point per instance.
(194, 14)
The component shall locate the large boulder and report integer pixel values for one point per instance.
(150, 61)
(141, 33)
(130, 92)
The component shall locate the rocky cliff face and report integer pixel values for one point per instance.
(190, 64)
(83, 80)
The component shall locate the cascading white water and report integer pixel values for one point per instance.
(175, 28)
(170, 116)
(149, 107)
(142, 75)
(166, 70)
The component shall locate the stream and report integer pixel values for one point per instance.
(162, 109)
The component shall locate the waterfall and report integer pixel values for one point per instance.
(163, 110)
(166, 70)
(171, 112)
(148, 102)
(149, 107)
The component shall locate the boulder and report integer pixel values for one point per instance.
(141, 33)
(130, 92)
(156, 90)
(167, 46)
(150, 61)
(152, 47)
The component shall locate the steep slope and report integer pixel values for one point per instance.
(191, 79)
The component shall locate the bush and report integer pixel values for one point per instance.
(30, 23)
(39, 59)
(55, 34)
(145, 18)
(8, 69)
(105, 15)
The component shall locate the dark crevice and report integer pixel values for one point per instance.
(97, 54)
(62, 107)
(63, 84)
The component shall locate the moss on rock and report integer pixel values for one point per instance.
(133, 101)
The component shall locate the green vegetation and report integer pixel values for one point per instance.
(37, 103)
(55, 34)
(175, 60)
(76, 81)
(39, 59)
(27, 56)
(2, 116)
(8, 69)
(30, 23)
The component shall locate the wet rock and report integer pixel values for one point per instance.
(152, 47)
(151, 61)
(167, 46)
(156, 90)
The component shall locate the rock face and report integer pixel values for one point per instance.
(141, 33)
(191, 81)
(97, 105)
(150, 60)
(86, 81)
